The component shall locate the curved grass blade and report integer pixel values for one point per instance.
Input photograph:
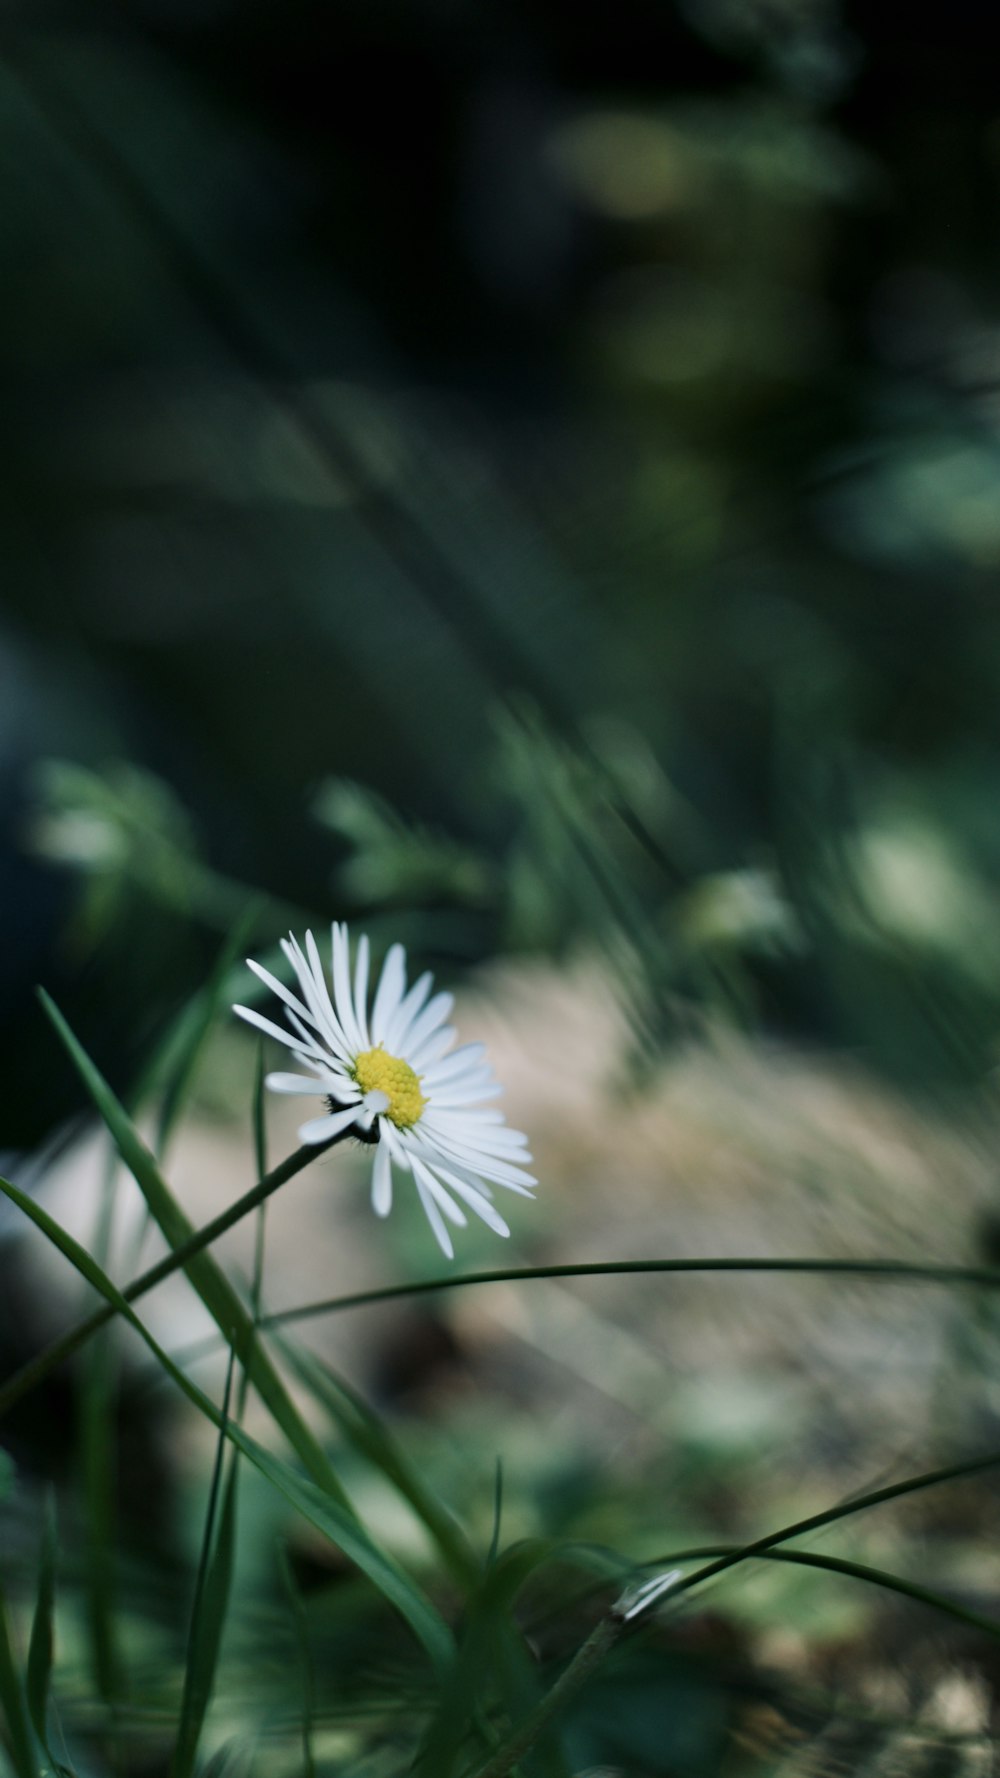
(930, 1478)
(863, 1571)
(325, 1512)
(37, 1369)
(260, 1158)
(210, 1282)
(20, 1738)
(39, 1669)
(487, 1647)
(305, 1663)
(616, 1572)
(365, 1431)
(98, 1436)
(179, 1056)
(898, 1271)
(211, 1596)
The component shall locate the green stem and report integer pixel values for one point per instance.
(62, 1348)
(599, 1643)
(900, 1271)
(894, 1491)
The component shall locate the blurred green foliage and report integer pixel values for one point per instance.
(523, 476)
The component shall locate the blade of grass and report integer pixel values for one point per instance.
(486, 1648)
(193, 1029)
(210, 1282)
(322, 1510)
(211, 1596)
(521, 1739)
(899, 1271)
(305, 1662)
(615, 1573)
(260, 1158)
(12, 1700)
(609, 1628)
(878, 1577)
(39, 1669)
(37, 1369)
(97, 1432)
(832, 1515)
(365, 1432)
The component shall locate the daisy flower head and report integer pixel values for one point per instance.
(385, 1065)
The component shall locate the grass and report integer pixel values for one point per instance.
(395, 1662)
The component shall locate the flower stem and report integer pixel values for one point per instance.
(599, 1643)
(62, 1348)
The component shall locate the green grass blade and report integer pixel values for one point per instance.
(863, 1571)
(259, 1112)
(98, 1436)
(930, 1478)
(305, 1662)
(12, 1701)
(211, 1597)
(192, 1030)
(260, 1157)
(40, 1647)
(37, 1369)
(488, 1646)
(367, 1434)
(315, 1504)
(895, 1271)
(211, 1284)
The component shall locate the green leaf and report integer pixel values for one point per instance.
(98, 1434)
(178, 1058)
(211, 1284)
(365, 1431)
(19, 1735)
(211, 1600)
(323, 1511)
(39, 1669)
(488, 1645)
(305, 1663)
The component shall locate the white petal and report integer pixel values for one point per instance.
(297, 1083)
(473, 1154)
(342, 986)
(514, 1178)
(477, 1201)
(457, 1063)
(462, 1095)
(276, 987)
(434, 1047)
(285, 1037)
(320, 1129)
(453, 1211)
(393, 1141)
(398, 1026)
(382, 1181)
(389, 992)
(320, 1007)
(436, 1221)
(433, 1015)
(441, 1092)
(361, 989)
(468, 1124)
(376, 1101)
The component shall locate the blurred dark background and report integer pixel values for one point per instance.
(525, 474)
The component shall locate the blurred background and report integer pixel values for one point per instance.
(523, 478)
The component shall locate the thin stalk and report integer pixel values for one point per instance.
(929, 1478)
(62, 1348)
(900, 1271)
(599, 1643)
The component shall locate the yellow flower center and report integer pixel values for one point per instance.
(377, 1072)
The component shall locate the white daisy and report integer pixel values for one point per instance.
(389, 1071)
